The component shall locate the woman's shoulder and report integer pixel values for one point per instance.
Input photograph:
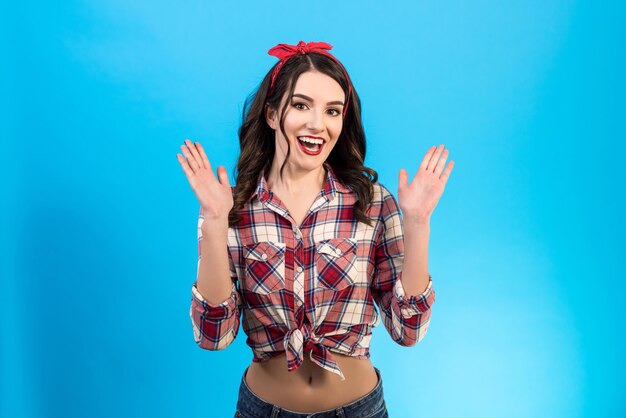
(381, 193)
(383, 202)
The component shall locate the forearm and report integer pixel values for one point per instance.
(415, 273)
(214, 283)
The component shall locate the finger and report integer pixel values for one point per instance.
(433, 161)
(188, 171)
(203, 156)
(426, 158)
(191, 160)
(442, 162)
(403, 178)
(446, 173)
(194, 152)
(223, 176)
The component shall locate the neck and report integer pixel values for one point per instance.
(295, 181)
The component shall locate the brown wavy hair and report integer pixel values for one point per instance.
(257, 138)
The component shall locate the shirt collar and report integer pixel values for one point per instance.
(332, 185)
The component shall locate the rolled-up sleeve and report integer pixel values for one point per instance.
(215, 326)
(405, 316)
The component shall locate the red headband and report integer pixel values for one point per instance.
(284, 52)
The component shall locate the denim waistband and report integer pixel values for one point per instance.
(370, 402)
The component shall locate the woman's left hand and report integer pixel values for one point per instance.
(419, 198)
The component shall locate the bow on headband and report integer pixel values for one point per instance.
(284, 52)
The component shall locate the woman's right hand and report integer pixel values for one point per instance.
(215, 197)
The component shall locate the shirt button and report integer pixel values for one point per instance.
(299, 269)
(264, 256)
(338, 252)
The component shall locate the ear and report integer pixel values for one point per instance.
(271, 116)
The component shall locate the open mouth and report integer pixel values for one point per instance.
(310, 146)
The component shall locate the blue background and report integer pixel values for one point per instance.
(99, 221)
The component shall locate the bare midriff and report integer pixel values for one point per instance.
(311, 388)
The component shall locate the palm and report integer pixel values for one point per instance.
(419, 198)
(213, 193)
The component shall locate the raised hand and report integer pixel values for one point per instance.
(419, 198)
(215, 196)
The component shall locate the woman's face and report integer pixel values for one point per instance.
(314, 115)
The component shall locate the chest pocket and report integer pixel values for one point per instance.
(265, 267)
(335, 262)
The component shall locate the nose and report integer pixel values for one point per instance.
(315, 122)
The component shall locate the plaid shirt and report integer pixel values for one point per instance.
(312, 287)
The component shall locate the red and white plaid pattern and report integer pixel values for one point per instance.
(312, 287)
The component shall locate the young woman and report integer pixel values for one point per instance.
(313, 240)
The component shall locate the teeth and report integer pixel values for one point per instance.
(310, 140)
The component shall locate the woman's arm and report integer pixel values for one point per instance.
(214, 282)
(417, 201)
(415, 274)
(215, 324)
(405, 315)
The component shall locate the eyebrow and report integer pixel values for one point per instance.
(336, 102)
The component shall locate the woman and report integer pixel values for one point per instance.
(313, 241)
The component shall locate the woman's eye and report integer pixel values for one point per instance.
(302, 106)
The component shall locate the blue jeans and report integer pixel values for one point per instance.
(370, 405)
